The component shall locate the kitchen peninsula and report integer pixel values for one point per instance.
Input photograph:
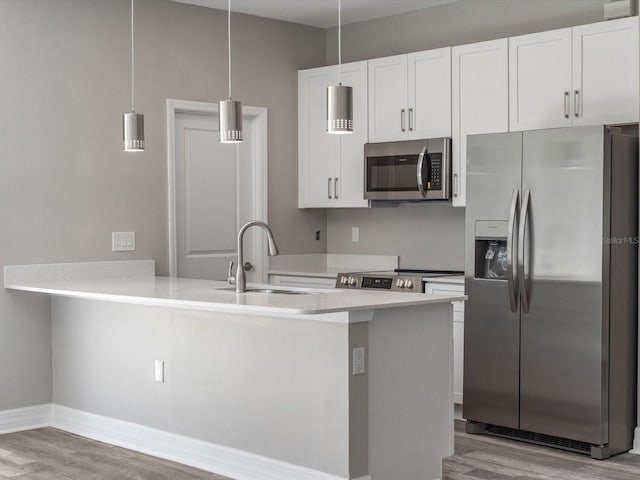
(255, 385)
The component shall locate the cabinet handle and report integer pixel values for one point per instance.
(455, 184)
(576, 103)
(411, 119)
(402, 119)
(329, 188)
(566, 104)
(335, 188)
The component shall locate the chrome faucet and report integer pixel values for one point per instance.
(240, 278)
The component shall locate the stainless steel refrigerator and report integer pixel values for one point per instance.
(551, 275)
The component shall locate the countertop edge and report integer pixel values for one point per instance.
(311, 313)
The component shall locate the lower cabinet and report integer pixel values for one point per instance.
(458, 333)
(306, 282)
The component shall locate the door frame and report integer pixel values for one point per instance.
(259, 159)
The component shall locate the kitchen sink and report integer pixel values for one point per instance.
(275, 291)
(279, 291)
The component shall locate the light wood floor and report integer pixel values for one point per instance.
(50, 454)
(479, 457)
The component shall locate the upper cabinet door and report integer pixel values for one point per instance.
(540, 80)
(318, 152)
(388, 112)
(331, 167)
(349, 186)
(605, 72)
(429, 90)
(480, 101)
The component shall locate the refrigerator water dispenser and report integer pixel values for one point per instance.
(491, 250)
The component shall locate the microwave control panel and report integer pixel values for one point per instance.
(436, 174)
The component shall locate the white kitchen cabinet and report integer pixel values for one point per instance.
(585, 75)
(300, 281)
(540, 80)
(330, 167)
(458, 333)
(410, 96)
(388, 98)
(605, 72)
(480, 101)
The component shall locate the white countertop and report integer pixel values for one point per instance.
(134, 282)
(220, 296)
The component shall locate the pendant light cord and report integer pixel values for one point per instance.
(229, 43)
(339, 41)
(132, 59)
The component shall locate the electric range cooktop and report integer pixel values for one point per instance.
(398, 280)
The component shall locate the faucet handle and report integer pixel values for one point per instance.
(231, 278)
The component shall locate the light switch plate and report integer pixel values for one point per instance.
(358, 361)
(355, 234)
(159, 371)
(123, 241)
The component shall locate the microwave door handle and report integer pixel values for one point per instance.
(419, 178)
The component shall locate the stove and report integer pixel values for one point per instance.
(398, 280)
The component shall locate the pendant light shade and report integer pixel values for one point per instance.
(133, 132)
(339, 97)
(132, 123)
(339, 109)
(230, 111)
(230, 121)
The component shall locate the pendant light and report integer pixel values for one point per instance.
(339, 97)
(230, 111)
(132, 123)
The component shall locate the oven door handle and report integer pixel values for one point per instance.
(419, 178)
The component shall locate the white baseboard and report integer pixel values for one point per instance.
(27, 418)
(636, 442)
(230, 462)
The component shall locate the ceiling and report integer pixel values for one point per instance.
(320, 13)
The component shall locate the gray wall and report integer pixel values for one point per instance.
(466, 21)
(431, 236)
(423, 235)
(65, 184)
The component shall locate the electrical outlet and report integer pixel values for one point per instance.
(159, 374)
(123, 241)
(358, 361)
(355, 234)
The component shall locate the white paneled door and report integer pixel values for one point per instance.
(214, 195)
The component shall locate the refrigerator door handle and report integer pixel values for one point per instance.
(512, 282)
(524, 290)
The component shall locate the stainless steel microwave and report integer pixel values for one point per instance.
(408, 170)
